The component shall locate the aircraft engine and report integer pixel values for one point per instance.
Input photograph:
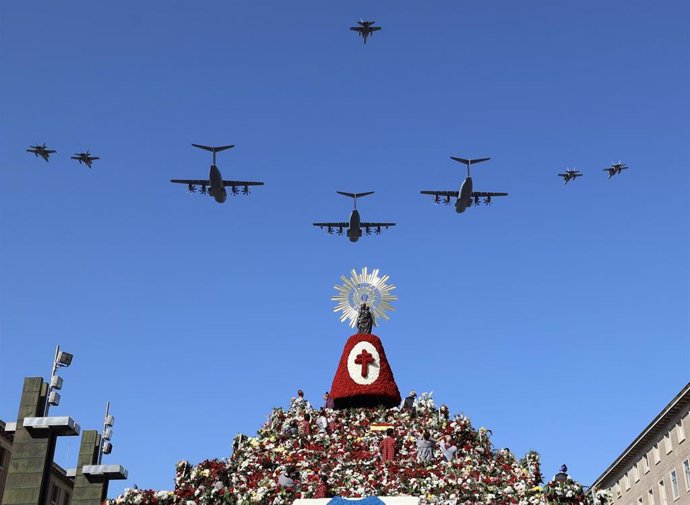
(245, 190)
(191, 188)
(235, 190)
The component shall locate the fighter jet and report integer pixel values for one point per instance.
(215, 185)
(466, 196)
(41, 151)
(365, 29)
(570, 174)
(85, 158)
(616, 168)
(354, 227)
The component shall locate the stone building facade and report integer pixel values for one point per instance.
(60, 486)
(655, 468)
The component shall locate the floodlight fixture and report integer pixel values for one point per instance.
(107, 434)
(54, 398)
(107, 448)
(56, 382)
(64, 358)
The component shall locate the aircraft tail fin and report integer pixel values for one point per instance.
(469, 162)
(213, 149)
(355, 195)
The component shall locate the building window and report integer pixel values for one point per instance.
(667, 442)
(650, 496)
(2, 458)
(636, 473)
(686, 470)
(645, 463)
(626, 481)
(657, 454)
(680, 431)
(662, 493)
(55, 495)
(639, 501)
(618, 489)
(674, 484)
(65, 499)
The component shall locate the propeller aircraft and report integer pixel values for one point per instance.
(355, 225)
(215, 185)
(466, 196)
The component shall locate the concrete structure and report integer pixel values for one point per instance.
(28, 480)
(91, 478)
(655, 468)
(60, 486)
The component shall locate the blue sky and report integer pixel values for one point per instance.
(558, 317)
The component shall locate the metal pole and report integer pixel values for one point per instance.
(50, 384)
(105, 420)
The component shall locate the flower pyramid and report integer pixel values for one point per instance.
(341, 445)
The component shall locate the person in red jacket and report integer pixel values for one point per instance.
(322, 490)
(387, 446)
(306, 425)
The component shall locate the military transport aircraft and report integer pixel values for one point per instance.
(570, 174)
(85, 158)
(215, 185)
(616, 168)
(41, 151)
(466, 196)
(354, 227)
(365, 29)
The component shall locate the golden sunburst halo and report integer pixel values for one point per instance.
(360, 288)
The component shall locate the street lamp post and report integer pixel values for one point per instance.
(61, 359)
(105, 446)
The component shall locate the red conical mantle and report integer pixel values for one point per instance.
(364, 378)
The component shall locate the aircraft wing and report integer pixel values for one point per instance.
(356, 29)
(51, 151)
(487, 193)
(242, 183)
(376, 225)
(454, 194)
(94, 158)
(332, 225)
(193, 182)
(374, 28)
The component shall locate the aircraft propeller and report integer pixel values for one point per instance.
(191, 188)
(447, 200)
(203, 190)
(340, 230)
(378, 230)
(437, 199)
(476, 200)
(487, 200)
(330, 230)
(245, 190)
(234, 190)
(367, 230)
